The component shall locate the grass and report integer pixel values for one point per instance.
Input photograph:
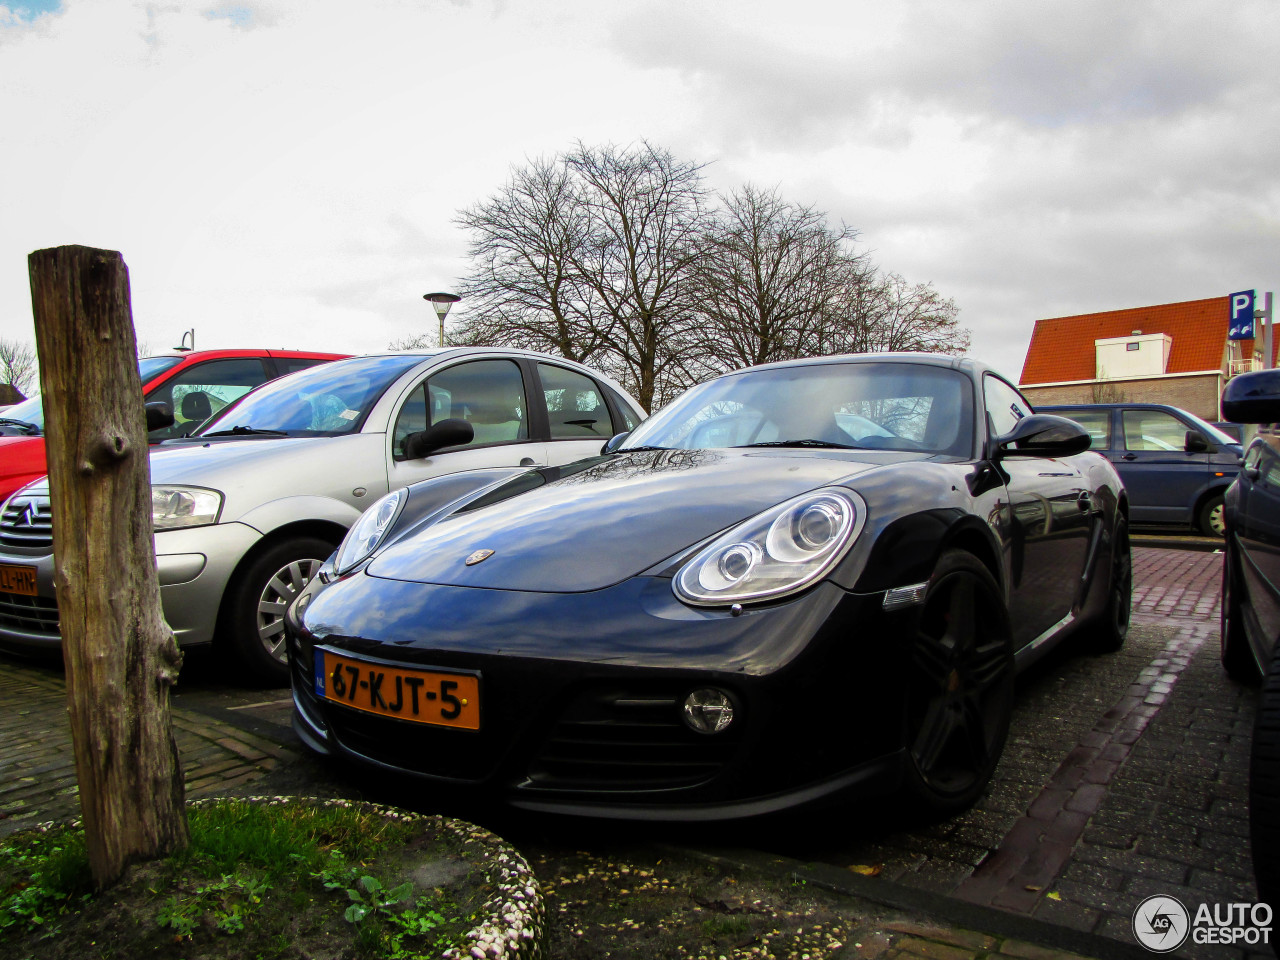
(259, 880)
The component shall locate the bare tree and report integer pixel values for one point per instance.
(646, 214)
(886, 313)
(18, 366)
(768, 275)
(525, 289)
(588, 255)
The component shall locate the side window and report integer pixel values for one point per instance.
(488, 394)
(575, 406)
(629, 420)
(1098, 425)
(200, 391)
(287, 365)
(1153, 430)
(1005, 406)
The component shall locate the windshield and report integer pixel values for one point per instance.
(151, 367)
(31, 411)
(862, 405)
(326, 400)
(1212, 432)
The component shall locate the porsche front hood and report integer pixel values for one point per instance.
(599, 526)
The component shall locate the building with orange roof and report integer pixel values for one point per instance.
(1175, 353)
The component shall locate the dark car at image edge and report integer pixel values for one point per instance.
(1251, 605)
(795, 583)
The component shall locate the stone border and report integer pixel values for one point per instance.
(513, 922)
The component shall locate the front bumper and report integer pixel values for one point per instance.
(193, 565)
(582, 694)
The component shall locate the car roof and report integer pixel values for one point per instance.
(966, 364)
(244, 352)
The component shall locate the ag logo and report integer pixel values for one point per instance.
(479, 555)
(1161, 924)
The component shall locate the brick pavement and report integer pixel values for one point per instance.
(37, 766)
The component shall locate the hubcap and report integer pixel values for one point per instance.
(1217, 523)
(279, 592)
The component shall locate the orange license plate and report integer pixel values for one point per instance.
(14, 579)
(420, 696)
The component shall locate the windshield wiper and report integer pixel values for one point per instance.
(22, 424)
(245, 432)
(802, 443)
(639, 449)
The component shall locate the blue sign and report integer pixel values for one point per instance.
(1241, 326)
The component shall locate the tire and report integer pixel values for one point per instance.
(253, 610)
(1264, 786)
(959, 695)
(1237, 658)
(1113, 625)
(1210, 520)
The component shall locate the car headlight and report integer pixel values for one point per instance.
(363, 538)
(173, 507)
(775, 553)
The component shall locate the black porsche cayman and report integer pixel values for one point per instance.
(795, 582)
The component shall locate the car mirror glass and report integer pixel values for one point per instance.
(1044, 435)
(446, 433)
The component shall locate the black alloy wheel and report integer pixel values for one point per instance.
(1113, 626)
(960, 687)
(254, 608)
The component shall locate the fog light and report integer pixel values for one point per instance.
(708, 711)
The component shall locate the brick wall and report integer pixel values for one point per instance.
(1196, 394)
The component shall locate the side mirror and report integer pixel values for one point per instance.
(1043, 435)
(446, 433)
(159, 415)
(1195, 442)
(613, 443)
(1253, 397)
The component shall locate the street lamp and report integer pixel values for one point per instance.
(442, 302)
(183, 347)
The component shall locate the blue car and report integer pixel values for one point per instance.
(1176, 467)
(1251, 605)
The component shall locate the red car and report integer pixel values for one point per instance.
(195, 385)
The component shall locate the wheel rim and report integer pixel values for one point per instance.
(960, 692)
(284, 585)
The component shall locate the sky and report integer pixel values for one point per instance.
(287, 173)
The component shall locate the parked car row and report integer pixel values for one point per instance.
(268, 481)
(190, 387)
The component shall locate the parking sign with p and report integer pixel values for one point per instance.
(1241, 326)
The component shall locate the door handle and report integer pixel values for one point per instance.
(527, 462)
(1130, 456)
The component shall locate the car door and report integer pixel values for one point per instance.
(579, 419)
(1162, 476)
(488, 393)
(1257, 529)
(1048, 523)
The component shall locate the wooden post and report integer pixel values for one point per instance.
(120, 655)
